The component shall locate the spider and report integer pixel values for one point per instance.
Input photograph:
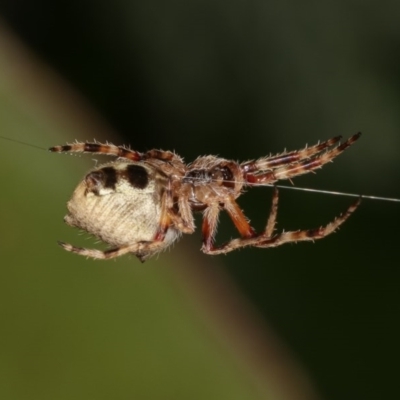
(142, 202)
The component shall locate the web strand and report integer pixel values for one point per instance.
(363, 196)
(24, 143)
(330, 192)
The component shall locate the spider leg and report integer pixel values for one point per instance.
(209, 227)
(267, 163)
(302, 166)
(164, 224)
(161, 155)
(269, 229)
(210, 222)
(182, 220)
(248, 234)
(117, 151)
(309, 234)
(239, 219)
(141, 249)
(266, 240)
(94, 147)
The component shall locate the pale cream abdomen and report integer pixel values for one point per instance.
(120, 218)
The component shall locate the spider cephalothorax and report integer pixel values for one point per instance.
(141, 202)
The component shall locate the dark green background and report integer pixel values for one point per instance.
(243, 79)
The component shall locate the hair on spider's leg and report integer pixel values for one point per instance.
(292, 169)
(269, 229)
(262, 241)
(210, 220)
(98, 148)
(309, 234)
(314, 163)
(142, 250)
(267, 163)
(209, 227)
(91, 253)
(240, 221)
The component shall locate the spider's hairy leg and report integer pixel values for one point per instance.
(165, 220)
(247, 232)
(161, 155)
(209, 227)
(266, 241)
(210, 222)
(182, 221)
(267, 163)
(309, 234)
(299, 167)
(179, 208)
(100, 148)
(140, 250)
(239, 219)
(269, 229)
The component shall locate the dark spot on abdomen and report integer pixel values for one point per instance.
(110, 177)
(137, 176)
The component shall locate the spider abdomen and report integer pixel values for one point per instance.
(120, 204)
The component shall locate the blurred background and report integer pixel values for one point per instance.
(237, 79)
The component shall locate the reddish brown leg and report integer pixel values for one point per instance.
(241, 222)
(210, 222)
(160, 155)
(300, 167)
(265, 241)
(106, 149)
(112, 150)
(309, 234)
(291, 157)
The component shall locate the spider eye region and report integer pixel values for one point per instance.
(223, 174)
